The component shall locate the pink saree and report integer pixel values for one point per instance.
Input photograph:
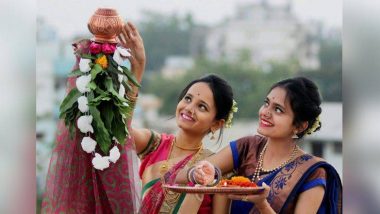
(155, 198)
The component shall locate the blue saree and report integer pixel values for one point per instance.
(288, 182)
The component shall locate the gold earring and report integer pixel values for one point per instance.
(295, 134)
(212, 136)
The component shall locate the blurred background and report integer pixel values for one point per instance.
(251, 43)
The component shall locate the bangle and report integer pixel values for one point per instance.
(217, 178)
(192, 177)
(189, 171)
(131, 96)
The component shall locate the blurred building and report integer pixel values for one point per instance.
(264, 32)
(175, 66)
(327, 142)
(46, 52)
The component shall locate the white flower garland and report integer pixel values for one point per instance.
(84, 122)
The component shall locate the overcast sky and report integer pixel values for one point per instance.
(71, 16)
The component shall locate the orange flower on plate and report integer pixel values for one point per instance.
(240, 181)
(102, 61)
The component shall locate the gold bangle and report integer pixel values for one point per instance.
(132, 98)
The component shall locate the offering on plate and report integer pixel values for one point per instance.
(237, 181)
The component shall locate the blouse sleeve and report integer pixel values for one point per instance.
(244, 153)
(317, 178)
(153, 143)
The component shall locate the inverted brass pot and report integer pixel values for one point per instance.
(105, 24)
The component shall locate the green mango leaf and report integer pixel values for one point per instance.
(72, 124)
(87, 56)
(131, 76)
(70, 99)
(72, 130)
(90, 96)
(107, 114)
(112, 62)
(118, 128)
(92, 85)
(125, 111)
(96, 101)
(95, 71)
(68, 113)
(111, 89)
(75, 73)
(102, 135)
(126, 85)
(115, 71)
(98, 90)
(109, 85)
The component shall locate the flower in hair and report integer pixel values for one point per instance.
(233, 110)
(314, 127)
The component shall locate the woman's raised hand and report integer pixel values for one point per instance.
(130, 38)
(204, 172)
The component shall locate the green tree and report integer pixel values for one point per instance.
(164, 36)
(329, 76)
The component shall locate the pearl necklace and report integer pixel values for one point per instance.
(259, 167)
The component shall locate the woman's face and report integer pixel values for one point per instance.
(276, 116)
(196, 111)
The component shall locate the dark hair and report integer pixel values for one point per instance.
(222, 92)
(304, 99)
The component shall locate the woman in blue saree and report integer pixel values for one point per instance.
(297, 182)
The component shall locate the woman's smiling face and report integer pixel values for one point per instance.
(196, 111)
(276, 115)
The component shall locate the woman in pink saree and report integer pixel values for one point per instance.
(203, 107)
(73, 185)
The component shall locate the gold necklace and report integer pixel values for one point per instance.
(184, 148)
(171, 198)
(165, 166)
(259, 167)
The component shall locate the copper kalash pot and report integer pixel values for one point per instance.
(105, 24)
